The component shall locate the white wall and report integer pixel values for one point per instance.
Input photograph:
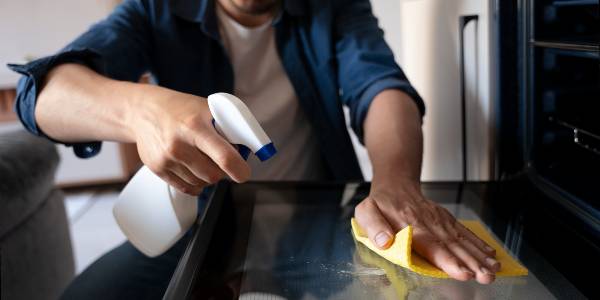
(36, 28)
(424, 37)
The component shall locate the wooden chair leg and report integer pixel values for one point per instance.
(7, 98)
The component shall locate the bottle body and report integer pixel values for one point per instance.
(152, 214)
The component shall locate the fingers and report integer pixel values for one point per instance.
(479, 243)
(437, 235)
(201, 166)
(450, 231)
(186, 175)
(436, 252)
(378, 229)
(484, 259)
(180, 184)
(483, 274)
(464, 231)
(223, 154)
(189, 165)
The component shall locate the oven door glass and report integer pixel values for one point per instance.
(293, 241)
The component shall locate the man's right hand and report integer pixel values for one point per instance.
(177, 141)
(173, 131)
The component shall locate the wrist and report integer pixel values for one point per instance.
(391, 179)
(139, 106)
(395, 184)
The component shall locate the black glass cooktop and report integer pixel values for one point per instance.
(293, 241)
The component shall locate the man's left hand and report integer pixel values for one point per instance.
(437, 235)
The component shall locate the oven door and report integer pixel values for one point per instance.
(293, 241)
(562, 96)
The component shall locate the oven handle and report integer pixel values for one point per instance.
(463, 22)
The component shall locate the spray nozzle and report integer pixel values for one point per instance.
(234, 121)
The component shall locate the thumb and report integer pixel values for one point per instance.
(370, 218)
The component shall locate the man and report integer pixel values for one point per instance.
(294, 63)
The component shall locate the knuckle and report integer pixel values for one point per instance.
(192, 123)
(358, 210)
(415, 222)
(226, 160)
(159, 166)
(173, 149)
(362, 208)
(460, 237)
(213, 176)
(435, 223)
(442, 211)
(411, 216)
(439, 243)
(453, 242)
(163, 163)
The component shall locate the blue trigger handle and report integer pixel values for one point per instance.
(242, 150)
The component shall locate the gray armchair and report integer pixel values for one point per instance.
(35, 247)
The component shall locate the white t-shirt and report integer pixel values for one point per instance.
(262, 83)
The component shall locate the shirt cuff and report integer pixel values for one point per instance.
(360, 112)
(33, 78)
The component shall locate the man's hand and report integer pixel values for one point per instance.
(173, 131)
(394, 141)
(437, 235)
(177, 141)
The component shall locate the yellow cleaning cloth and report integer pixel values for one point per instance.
(400, 252)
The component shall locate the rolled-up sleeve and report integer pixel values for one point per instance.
(118, 47)
(366, 64)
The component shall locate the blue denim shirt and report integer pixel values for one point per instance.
(332, 51)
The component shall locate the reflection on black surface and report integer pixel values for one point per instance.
(313, 252)
(293, 241)
(221, 274)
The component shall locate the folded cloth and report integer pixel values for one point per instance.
(399, 282)
(400, 252)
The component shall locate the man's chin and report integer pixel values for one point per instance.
(254, 7)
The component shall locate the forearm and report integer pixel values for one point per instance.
(393, 138)
(173, 131)
(77, 104)
(394, 141)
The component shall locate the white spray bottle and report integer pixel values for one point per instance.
(154, 215)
